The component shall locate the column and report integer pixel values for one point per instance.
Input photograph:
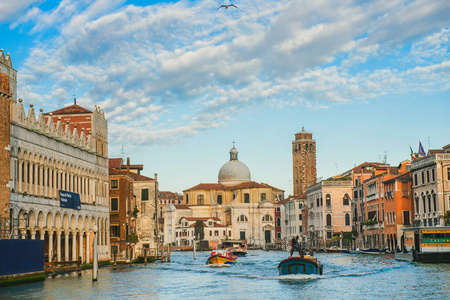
(66, 245)
(45, 181)
(19, 180)
(25, 178)
(88, 246)
(74, 245)
(42, 233)
(58, 244)
(23, 234)
(50, 245)
(33, 233)
(81, 244)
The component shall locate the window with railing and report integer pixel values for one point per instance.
(346, 199)
(328, 200)
(114, 205)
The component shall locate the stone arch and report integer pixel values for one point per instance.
(65, 224)
(32, 219)
(58, 224)
(41, 220)
(50, 220)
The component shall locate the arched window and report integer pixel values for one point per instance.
(219, 199)
(306, 147)
(347, 219)
(187, 198)
(424, 202)
(328, 220)
(295, 148)
(346, 202)
(310, 147)
(433, 194)
(278, 222)
(328, 199)
(267, 218)
(242, 218)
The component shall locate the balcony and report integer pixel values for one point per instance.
(327, 207)
(406, 193)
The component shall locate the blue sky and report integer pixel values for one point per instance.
(180, 81)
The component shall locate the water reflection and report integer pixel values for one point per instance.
(345, 276)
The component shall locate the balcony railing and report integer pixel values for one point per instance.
(406, 193)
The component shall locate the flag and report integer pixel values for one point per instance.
(421, 151)
(412, 153)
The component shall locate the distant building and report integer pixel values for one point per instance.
(295, 220)
(141, 214)
(303, 162)
(431, 187)
(214, 231)
(247, 205)
(329, 210)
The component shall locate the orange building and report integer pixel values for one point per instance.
(398, 205)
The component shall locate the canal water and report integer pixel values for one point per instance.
(345, 276)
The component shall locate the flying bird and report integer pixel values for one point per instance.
(226, 6)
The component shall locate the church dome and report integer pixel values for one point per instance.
(234, 171)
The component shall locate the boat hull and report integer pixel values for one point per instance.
(373, 251)
(222, 258)
(298, 265)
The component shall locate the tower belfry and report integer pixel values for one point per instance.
(303, 162)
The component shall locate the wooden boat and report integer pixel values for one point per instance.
(238, 247)
(222, 258)
(354, 251)
(374, 251)
(331, 250)
(300, 265)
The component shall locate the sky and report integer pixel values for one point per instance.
(180, 81)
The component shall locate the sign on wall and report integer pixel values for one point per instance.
(69, 200)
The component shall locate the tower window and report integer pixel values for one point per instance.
(219, 199)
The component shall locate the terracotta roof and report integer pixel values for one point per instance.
(401, 177)
(139, 177)
(207, 186)
(72, 109)
(362, 167)
(138, 167)
(114, 163)
(201, 219)
(181, 206)
(219, 186)
(435, 151)
(219, 225)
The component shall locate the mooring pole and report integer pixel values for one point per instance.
(115, 260)
(195, 256)
(95, 255)
(168, 252)
(145, 256)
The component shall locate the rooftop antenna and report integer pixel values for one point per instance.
(122, 154)
(385, 157)
(429, 143)
(336, 168)
(75, 90)
(233, 143)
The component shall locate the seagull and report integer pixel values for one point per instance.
(226, 6)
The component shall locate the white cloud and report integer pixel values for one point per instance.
(185, 61)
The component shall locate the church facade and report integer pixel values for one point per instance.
(246, 205)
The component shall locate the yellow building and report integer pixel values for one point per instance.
(247, 205)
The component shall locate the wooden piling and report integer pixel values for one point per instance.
(168, 252)
(145, 256)
(131, 256)
(79, 265)
(115, 260)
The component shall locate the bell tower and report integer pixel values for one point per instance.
(303, 162)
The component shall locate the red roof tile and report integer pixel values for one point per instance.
(72, 109)
(219, 186)
(114, 163)
(182, 206)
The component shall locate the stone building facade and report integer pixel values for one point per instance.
(46, 158)
(303, 162)
(431, 187)
(247, 205)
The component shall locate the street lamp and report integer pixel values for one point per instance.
(95, 254)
